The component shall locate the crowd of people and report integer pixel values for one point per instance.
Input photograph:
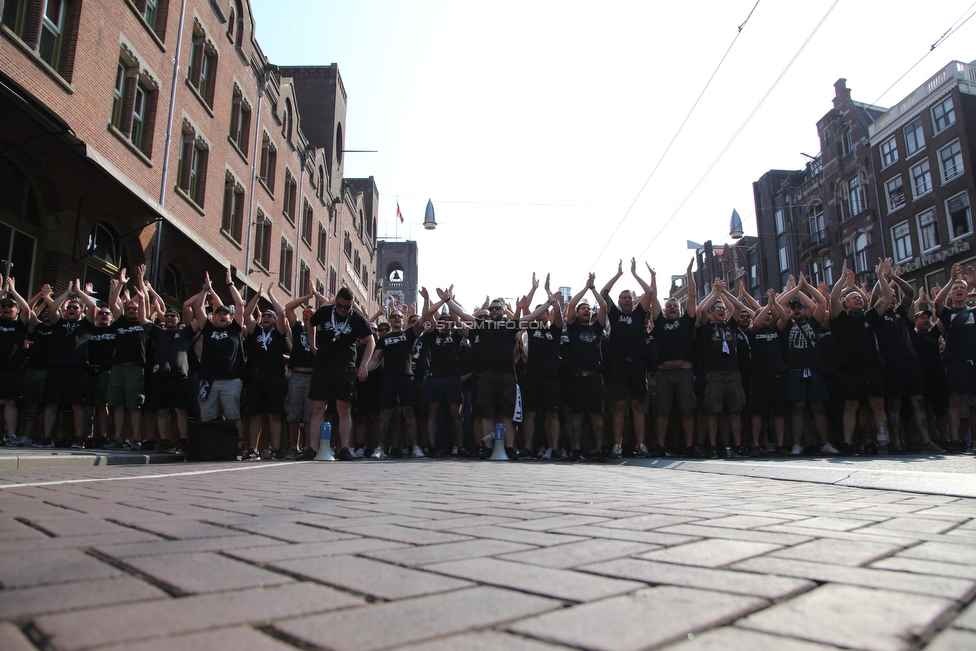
(839, 370)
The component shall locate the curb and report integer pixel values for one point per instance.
(84, 458)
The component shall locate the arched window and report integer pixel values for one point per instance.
(103, 245)
(288, 118)
(239, 34)
(339, 144)
(321, 182)
(20, 215)
(106, 256)
(861, 253)
(817, 231)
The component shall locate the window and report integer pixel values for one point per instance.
(901, 240)
(355, 261)
(950, 159)
(291, 189)
(286, 127)
(232, 219)
(855, 197)
(333, 283)
(173, 286)
(202, 71)
(784, 261)
(895, 193)
(262, 241)
(240, 120)
(269, 159)
(308, 217)
(889, 152)
(861, 253)
(921, 179)
(323, 244)
(191, 171)
(943, 115)
(828, 270)
(960, 218)
(321, 187)
(285, 264)
(914, 137)
(817, 233)
(48, 27)
(339, 144)
(134, 106)
(816, 273)
(304, 279)
(928, 231)
(154, 13)
(347, 245)
(847, 142)
(780, 221)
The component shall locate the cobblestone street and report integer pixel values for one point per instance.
(438, 554)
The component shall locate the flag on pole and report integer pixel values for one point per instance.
(399, 214)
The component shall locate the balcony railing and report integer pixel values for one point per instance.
(812, 240)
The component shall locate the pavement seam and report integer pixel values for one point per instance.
(171, 590)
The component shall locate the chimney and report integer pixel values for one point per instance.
(841, 92)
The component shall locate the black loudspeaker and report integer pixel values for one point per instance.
(214, 440)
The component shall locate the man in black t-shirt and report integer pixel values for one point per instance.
(298, 407)
(444, 382)
(126, 390)
(340, 329)
(15, 315)
(540, 383)
(267, 344)
(170, 372)
(925, 338)
(768, 387)
(959, 323)
(585, 333)
(626, 370)
(855, 327)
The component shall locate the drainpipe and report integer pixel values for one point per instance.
(252, 203)
(169, 141)
(299, 216)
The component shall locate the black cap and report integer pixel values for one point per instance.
(925, 310)
(796, 301)
(222, 308)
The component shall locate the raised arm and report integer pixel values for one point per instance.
(248, 316)
(87, 301)
(571, 308)
(846, 276)
(25, 311)
(746, 298)
(648, 295)
(883, 270)
(291, 305)
(737, 307)
(601, 316)
(691, 307)
(907, 290)
(605, 292)
(235, 296)
(539, 311)
(281, 323)
(655, 303)
(448, 297)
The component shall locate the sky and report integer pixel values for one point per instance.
(562, 137)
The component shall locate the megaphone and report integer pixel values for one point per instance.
(325, 443)
(498, 451)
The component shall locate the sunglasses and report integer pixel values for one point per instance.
(340, 306)
(396, 316)
(495, 307)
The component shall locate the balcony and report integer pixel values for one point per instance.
(812, 241)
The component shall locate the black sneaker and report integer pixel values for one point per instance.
(307, 454)
(713, 452)
(114, 444)
(845, 450)
(43, 442)
(149, 444)
(165, 445)
(266, 454)
(895, 450)
(463, 453)
(291, 455)
(182, 446)
(345, 454)
(249, 455)
(742, 451)
(78, 443)
(512, 454)
(576, 455)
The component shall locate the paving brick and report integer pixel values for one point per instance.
(933, 551)
(184, 546)
(579, 553)
(647, 522)
(426, 554)
(562, 584)
(837, 552)
(710, 553)
(483, 640)
(293, 532)
(745, 583)
(536, 538)
(917, 566)
(12, 639)
(923, 584)
(650, 537)
(859, 618)
(80, 542)
(26, 602)
(452, 524)
(26, 568)
(204, 572)
(730, 638)
(413, 620)
(287, 552)
(73, 631)
(58, 525)
(913, 525)
(836, 524)
(967, 619)
(953, 640)
(185, 529)
(226, 639)
(644, 619)
(556, 522)
(743, 521)
(400, 534)
(752, 535)
(369, 577)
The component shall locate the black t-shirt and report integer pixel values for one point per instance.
(497, 339)
(420, 359)
(802, 341)
(130, 342)
(627, 332)
(301, 351)
(743, 347)
(41, 342)
(222, 357)
(650, 351)
(893, 334)
(675, 338)
(13, 334)
(856, 336)
(960, 335)
(336, 341)
(769, 351)
(171, 346)
(101, 346)
(543, 350)
(267, 350)
(445, 351)
(718, 345)
(397, 350)
(585, 349)
(69, 345)
(930, 360)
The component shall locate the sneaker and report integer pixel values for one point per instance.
(417, 453)
(149, 444)
(345, 454)
(741, 451)
(462, 453)
(267, 454)
(895, 449)
(713, 452)
(546, 454)
(642, 451)
(10, 441)
(845, 450)
(292, 454)
(757, 452)
(797, 450)
(524, 453)
(307, 454)
(576, 455)
(135, 445)
(615, 452)
(405, 451)
(182, 446)
(512, 454)
(249, 455)
(454, 451)
(114, 444)
(781, 451)
(828, 448)
(378, 453)
(43, 442)
(869, 450)
(165, 445)
(933, 448)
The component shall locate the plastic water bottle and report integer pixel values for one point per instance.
(882, 440)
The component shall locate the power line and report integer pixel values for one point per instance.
(741, 128)
(675, 137)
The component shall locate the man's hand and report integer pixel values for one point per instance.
(443, 294)
(535, 281)
(230, 279)
(633, 266)
(424, 293)
(591, 280)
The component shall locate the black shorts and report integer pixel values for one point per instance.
(807, 384)
(330, 383)
(444, 390)
(496, 394)
(903, 377)
(267, 396)
(11, 384)
(66, 385)
(627, 379)
(960, 376)
(768, 395)
(168, 392)
(588, 394)
(540, 393)
(397, 386)
(862, 381)
(368, 395)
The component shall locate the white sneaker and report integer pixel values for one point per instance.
(642, 451)
(616, 452)
(797, 450)
(378, 454)
(418, 453)
(454, 451)
(359, 453)
(829, 448)
(547, 454)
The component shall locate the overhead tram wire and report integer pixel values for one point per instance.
(740, 129)
(675, 137)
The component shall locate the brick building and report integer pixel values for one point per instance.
(157, 131)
